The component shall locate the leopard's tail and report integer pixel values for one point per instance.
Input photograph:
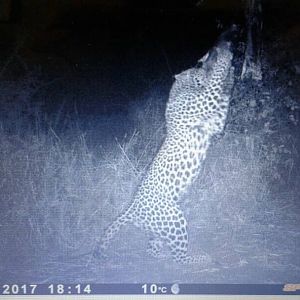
(113, 229)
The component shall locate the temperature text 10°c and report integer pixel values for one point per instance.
(154, 289)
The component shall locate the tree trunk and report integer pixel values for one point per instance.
(252, 62)
(5, 10)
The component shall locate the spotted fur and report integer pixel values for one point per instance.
(196, 111)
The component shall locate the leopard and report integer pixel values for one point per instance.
(196, 111)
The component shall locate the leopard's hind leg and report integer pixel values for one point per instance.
(176, 238)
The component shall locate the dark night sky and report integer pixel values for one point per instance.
(128, 45)
(182, 26)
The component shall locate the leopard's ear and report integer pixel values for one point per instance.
(183, 75)
(203, 58)
(176, 76)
